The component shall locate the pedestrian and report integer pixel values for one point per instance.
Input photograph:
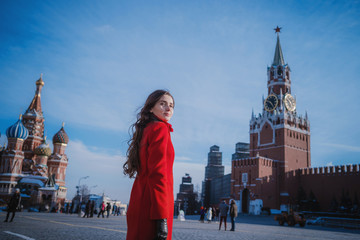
(150, 160)
(66, 208)
(233, 214)
(87, 209)
(102, 209)
(214, 214)
(202, 214)
(13, 205)
(209, 215)
(114, 209)
(108, 209)
(224, 208)
(72, 207)
(92, 208)
(217, 210)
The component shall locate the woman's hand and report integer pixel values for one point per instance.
(161, 229)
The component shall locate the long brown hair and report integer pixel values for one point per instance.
(132, 164)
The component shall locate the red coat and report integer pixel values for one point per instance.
(152, 193)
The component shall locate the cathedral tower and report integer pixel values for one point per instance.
(12, 158)
(33, 120)
(42, 152)
(58, 160)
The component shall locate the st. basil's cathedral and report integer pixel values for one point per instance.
(28, 163)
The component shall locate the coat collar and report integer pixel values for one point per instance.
(167, 124)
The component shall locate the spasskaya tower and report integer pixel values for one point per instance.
(279, 142)
(280, 133)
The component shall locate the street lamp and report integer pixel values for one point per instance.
(80, 194)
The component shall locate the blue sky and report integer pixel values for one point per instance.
(100, 60)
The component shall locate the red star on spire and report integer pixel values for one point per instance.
(277, 29)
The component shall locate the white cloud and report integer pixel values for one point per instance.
(182, 158)
(104, 170)
(329, 164)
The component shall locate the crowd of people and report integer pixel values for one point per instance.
(220, 214)
(90, 209)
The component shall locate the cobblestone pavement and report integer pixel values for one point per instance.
(63, 227)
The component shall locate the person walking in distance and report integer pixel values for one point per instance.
(209, 215)
(202, 214)
(102, 209)
(114, 209)
(224, 208)
(92, 206)
(150, 161)
(233, 214)
(13, 205)
(87, 209)
(108, 209)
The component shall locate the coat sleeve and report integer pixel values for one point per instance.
(157, 167)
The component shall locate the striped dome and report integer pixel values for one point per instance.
(18, 130)
(43, 149)
(61, 137)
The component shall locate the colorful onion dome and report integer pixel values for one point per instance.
(43, 149)
(18, 130)
(61, 136)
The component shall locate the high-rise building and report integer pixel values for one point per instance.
(241, 151)
(186, 199)
(215, 185)
(214, 167)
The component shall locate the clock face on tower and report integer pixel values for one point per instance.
(289, 102)
(271, 102)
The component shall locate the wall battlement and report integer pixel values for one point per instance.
(342, 170)
(252, 161)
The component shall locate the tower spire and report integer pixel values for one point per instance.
(36, 102)
(278, 57)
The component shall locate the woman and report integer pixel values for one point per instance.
(150, 161)
(102, 209)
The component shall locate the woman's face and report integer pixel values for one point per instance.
(164, 108)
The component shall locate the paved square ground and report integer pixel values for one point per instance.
(67, 227)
